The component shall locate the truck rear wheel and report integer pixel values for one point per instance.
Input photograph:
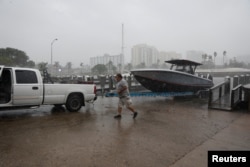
(74, 103)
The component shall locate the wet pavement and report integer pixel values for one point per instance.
(167, 132)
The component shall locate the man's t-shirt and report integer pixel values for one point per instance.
(120, 85)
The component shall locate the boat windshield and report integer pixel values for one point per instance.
(183, 68)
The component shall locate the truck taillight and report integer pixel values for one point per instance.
(95, 89)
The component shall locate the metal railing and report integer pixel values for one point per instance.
(226, 96)
(216, 92)
(236, 95)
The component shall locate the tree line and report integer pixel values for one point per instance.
(15, 57)
(209, 61)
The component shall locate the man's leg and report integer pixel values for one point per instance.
(119, 110)
(119, 113)
(129, 106)
(133, 110)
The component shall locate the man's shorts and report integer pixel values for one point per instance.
(125, 101)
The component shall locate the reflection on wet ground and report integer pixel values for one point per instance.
(166, 132)
(20, 113)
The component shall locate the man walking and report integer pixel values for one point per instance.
(123, 94)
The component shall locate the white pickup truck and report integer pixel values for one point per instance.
(24, 87)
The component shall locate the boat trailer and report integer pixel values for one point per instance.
(153, 94)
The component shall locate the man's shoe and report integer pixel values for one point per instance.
(118, 116)
(135, 114)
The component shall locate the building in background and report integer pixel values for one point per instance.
(144, 54)
(115, 59)
(150, 56)
(164, 56)
(195, 55)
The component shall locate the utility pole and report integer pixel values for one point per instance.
(51, 54)
(122, 56)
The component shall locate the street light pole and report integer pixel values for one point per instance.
(51, 50)
(51, 54)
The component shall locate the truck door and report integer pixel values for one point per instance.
(27, 90)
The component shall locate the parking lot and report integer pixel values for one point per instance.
(167, 132)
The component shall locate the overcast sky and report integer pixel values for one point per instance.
(90, 28)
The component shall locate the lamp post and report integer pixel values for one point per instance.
(51, 54)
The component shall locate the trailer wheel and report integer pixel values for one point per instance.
(74, 103)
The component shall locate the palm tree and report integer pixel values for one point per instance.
(57, 65)
(215, 54)
(69, 66)
(204, 57)
(224, 54)
(210, 58)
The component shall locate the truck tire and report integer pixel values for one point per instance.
(74, 103)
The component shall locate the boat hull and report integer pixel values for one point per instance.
(170, 81)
